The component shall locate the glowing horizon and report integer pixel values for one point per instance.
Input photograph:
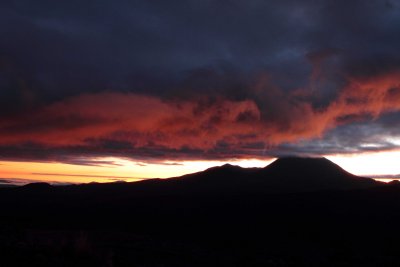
(369, 164)
(118, 169)
(110, 169)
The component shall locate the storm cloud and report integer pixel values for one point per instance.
(197, 79)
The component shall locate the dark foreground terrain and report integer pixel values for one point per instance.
(295, 212)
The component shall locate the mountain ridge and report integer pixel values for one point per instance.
(284, 175)
(287, 174)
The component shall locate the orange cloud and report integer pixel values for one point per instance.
(270, 116)
(135, 118)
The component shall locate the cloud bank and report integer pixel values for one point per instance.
(160, 80)
(127, 123)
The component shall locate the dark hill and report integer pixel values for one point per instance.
(285, 175)
(307, 167)
(289, 174)
(309, 174)
(37, 186)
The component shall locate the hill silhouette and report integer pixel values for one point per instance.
(284, 175)
(290, 174)
(307, 174)
(294, 212)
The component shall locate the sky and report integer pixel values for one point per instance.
(109, 90)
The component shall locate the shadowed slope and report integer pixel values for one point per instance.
(295, 166)
(283, 175)
(309, 174)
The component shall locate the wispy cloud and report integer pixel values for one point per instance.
(86, 175)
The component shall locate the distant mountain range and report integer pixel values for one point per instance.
(285, 175)
(288, 174)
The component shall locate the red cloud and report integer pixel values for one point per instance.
(144, 121)
(138, 119)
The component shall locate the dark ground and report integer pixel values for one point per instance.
(131, 225)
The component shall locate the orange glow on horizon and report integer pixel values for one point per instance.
(112, 169)
(118, 170)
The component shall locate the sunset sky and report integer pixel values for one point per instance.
(125, 90)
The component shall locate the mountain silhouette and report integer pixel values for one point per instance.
(290, 174)
(284, 175)
(313, 174)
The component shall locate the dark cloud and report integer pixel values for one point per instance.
(369, 135)
(155, 80)
(78, 45)
(21, 181)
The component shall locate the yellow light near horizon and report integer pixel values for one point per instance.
(58, 172)
(373, 163)
(166, 169)
(117, 169)
(109, 169)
